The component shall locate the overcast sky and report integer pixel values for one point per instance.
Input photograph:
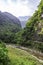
(19, 7)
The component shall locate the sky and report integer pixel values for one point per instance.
(19, 7)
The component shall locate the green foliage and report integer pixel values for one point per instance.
(7, 38)
(21, 57)
(4, 60)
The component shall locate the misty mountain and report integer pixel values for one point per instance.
(23, 20)
(9, 23)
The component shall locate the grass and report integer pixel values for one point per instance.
(21, 57)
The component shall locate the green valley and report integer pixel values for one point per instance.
(13, 38)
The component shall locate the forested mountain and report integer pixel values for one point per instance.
(35, 23)
(9, 24)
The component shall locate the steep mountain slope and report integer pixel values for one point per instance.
(36, 23)
(34, 29)
(9, 24)
(23, 20)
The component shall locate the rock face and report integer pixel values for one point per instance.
(9, 23)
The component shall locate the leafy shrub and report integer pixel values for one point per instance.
(4, 60)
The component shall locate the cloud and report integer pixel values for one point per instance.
(19, 7)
